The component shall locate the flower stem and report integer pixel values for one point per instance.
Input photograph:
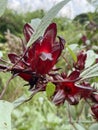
(5, 87)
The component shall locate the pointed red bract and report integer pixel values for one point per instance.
(81, 58)
(13, 57)
(28, 31)
(94, 109)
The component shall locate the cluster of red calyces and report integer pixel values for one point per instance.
(37, 61)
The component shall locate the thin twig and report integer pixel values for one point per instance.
(70, 119)
(24, 99)
(20, 58)
(7, 62)
(69, 66)
(5, 87)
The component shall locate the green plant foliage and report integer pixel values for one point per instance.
(90, 72)
(3, 4)
(19, 101)
(38, 114)
(50, 89)
(12, 21)
(72, 53)
(5, 115)
(15, 88)
(93, 2)
(35, 22)
(33, 15)
(91, 57)
(79, 127)
(94, 127)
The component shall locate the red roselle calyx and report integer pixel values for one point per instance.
(40, 57)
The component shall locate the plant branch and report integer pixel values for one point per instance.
(5, 87)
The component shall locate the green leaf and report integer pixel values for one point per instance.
(26, 96)
(73, 47)
(93, 2)
(46, 20)
(35, 22)
(50, 89)
(80, 107)
(20, 101)
(89, 72)
(52, 119)
(3, 4)
(1, 54)
(5, 115)
(91, 57)
(94, 127)
(79, 127)
(73, 112)
(72, 53)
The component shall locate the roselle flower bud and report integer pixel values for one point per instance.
(84, 39)
(94, 109)
(94, 97)
(81, 58)
(96, 60)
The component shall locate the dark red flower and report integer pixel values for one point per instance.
(94, 109)
(68, 89)
(71, 90)
(39, 58)
(81, 58)
(44, 52)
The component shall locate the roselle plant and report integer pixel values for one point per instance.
(37, 66)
